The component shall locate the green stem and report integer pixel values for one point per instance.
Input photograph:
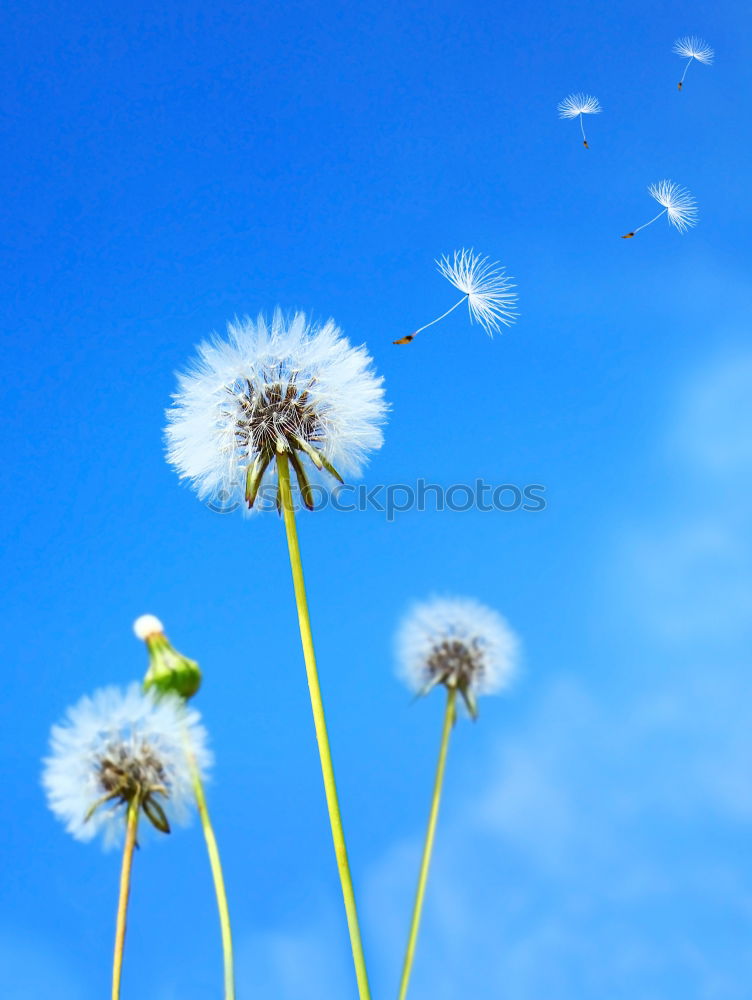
(319, 722)
(131, 829)
(216, 870)
(449, 717)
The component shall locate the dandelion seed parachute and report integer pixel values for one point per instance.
(690, 47)
(489, 293)
(284, 386)
(679, 206)
(114, 742)
(457, 642)
(577, 105)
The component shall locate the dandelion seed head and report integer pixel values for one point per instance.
(578, 104)
(264, 386)
(491, 298)
(114, 744)
(692, 47)
(681, 207)
(458, 642)
(146, 625)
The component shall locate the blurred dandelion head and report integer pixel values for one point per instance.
(681, 207)
(578, 104)
(491, 298)
(692, 47)
(269, 387)
(117, 746)
(457, 642)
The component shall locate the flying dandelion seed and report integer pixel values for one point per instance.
(690, 47)
(678, 205)
(281, 388)
(486, 288)
(577, 105)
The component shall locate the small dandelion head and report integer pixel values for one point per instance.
(491, 298)
(116, 747)
(284, 386)
(681, 207)
(578, 104)
(457, 642)
(692, 47)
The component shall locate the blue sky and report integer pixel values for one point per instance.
(169, 167)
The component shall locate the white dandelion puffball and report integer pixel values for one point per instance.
(114, 744)
(578, 104)
(692, 47)
(458, 642)
(681, 207)
(146, 625)
(285, 385)
(491, 298)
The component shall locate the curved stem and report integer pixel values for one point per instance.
(217, 875)
(438, 318)
(686, 68)
(131, 829)
(319, 721)
(655, 219)
(582, 129)
(449, 717)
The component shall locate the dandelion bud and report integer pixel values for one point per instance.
(168, 669)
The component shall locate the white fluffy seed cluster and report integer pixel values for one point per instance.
(129, 732)
(462, 636)
(266, 383)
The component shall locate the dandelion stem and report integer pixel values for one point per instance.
(217, 875)
(463, 299)
(449, 717)
(582, 129)
(685, 71)
(319, 721)
(131, 829)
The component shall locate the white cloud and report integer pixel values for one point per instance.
(685, 561)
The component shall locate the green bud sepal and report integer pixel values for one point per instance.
(169, 670)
